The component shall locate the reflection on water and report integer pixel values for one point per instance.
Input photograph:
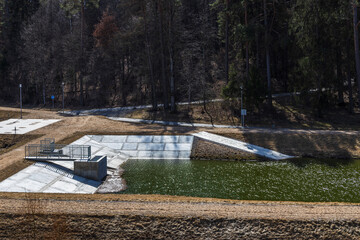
(293, 180)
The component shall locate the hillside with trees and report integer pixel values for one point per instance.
(132, 52)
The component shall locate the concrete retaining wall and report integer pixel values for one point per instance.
(95, 169)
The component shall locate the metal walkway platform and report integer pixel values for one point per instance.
(48, 150)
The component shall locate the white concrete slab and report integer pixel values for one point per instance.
(178, 147)
(147, 147)
(30, 185)
(65, 186)
(139, 139)
(186, 139)
(132, 154)
(53, 190)
(116, 146)
(129, 146)
(7, 184)
(49, 178)
(151, 146)
(97, 138)
(116, 161)
(145, 154)
(167, 139)
(19, 176)
(42, 177)
(242, 146)
(113, 139)
(165, 154)
(22, 126)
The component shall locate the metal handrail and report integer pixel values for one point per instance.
(54, 151)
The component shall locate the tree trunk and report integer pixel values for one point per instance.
(163, 77)
(123, 90)
(172, 80)
(340, 80)
(82, 54)
(148, 51)
(351, 99)
(268, 72)
(227, 42)
(204, 87)
(356, 42)
(350, 89)
(247, 45)
(257, 51)
(285, 65)
(44, 96)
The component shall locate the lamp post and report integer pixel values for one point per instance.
(63, 96)
(20, 86)
(242, 114)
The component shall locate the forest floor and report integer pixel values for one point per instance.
(285, 114)
(157, 216)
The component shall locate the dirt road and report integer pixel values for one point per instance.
(170, 206)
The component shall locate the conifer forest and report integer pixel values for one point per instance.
(133, 52)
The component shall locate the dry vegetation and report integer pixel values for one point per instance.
(286, 114)
(4, 115)
(338, 145)
(9, 142)
(72, 226)
(59, 216)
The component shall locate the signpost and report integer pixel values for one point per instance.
(20, 86)
(52, 98)
(243, 111)
(63, 96)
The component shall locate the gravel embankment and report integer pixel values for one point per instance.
(165, 217)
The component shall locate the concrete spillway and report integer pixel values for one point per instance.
(242, 146)
(59, 176)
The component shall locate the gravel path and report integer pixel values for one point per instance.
(161, 206)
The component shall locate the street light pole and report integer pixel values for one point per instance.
(63, 96)
(20, 86)
(242, 114)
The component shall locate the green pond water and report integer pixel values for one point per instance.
(292, 180)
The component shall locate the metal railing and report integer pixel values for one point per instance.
(52, 151)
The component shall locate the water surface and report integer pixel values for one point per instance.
(292, 180)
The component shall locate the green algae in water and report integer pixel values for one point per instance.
(292, 180)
